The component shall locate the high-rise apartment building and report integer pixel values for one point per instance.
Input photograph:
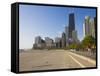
(92, 24)
(89, 26)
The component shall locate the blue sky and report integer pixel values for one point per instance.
(48, 22)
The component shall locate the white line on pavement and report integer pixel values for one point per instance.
(77, 61)
(83, 57)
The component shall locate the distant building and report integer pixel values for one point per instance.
(58, 42)
(38, 40)
(71, 25)
(49, 42)
(92, 23)
(63, 40)
(39, 43)
(42, 44)
(74, 36)
(89, 26)
(84, 30)
(66, 33)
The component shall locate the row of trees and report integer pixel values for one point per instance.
(87, 43)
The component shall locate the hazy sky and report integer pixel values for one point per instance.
(48, 22)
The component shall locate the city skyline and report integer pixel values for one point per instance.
(49, 22)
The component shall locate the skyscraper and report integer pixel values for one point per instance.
(89, 26)
(87, 30)
(92, 24)
(83, 30)
(63, 40)
(74, 36)
(66, 33)
(71, 24)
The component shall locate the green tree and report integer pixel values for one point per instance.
(88, 42)
(73, 46)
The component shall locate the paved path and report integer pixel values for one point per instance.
(53, 59)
